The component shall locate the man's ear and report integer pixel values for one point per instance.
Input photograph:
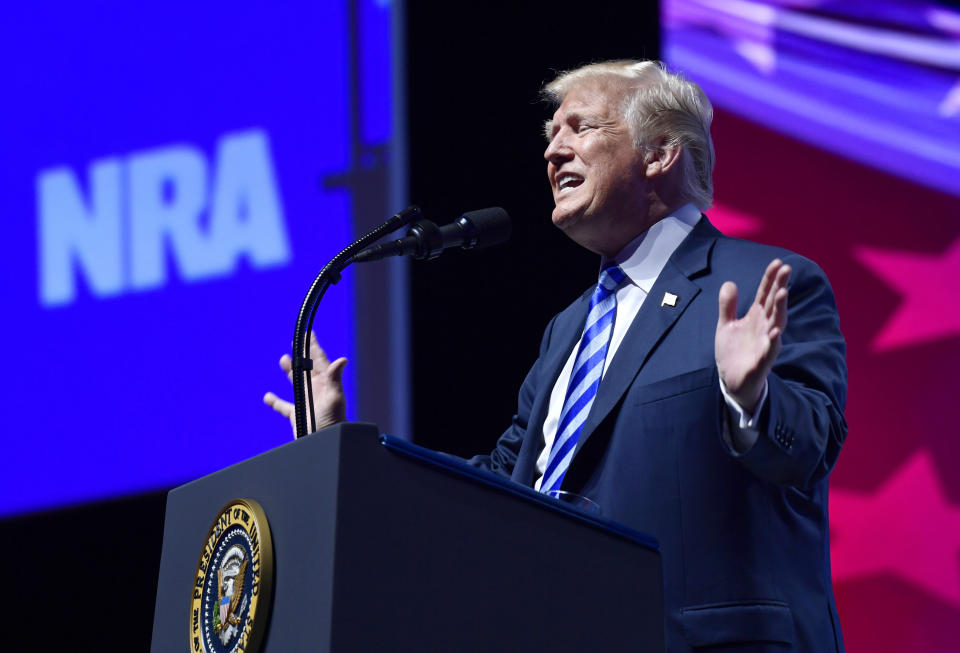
(661, 158)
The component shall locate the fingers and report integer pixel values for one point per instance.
(321, 364)
(728, 303)
(286, 364)
(777, 294)
(783, 277)
(317, 354)
(285, 408)
(772, 294)
(779, 315)
(766, 283)
(335, 371)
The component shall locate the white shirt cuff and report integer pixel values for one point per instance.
(743, 427)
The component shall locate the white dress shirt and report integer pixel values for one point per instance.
(642, 260)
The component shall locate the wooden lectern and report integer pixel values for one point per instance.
(380, 545)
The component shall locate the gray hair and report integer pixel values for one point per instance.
(657, 104)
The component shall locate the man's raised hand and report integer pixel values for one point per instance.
(329, 402)
(746, 348)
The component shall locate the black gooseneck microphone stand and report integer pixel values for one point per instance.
(329, 275)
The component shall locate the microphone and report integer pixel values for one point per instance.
(425, 240)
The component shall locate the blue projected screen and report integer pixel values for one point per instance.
(172, 181)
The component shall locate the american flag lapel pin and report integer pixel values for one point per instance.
(669, 299)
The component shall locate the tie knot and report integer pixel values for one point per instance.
(611, 278)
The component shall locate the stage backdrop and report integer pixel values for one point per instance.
(173, 178)
(838, 136)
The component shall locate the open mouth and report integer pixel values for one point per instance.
(567, 181)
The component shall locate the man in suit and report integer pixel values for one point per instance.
(715, 433)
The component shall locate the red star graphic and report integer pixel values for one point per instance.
(929, 286)
(732, 222)
(906, 528)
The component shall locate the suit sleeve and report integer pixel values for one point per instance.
(504, 456)
(801, 426)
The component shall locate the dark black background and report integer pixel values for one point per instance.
(476, 139)
(87, 575)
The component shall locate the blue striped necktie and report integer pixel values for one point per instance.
(585, 377)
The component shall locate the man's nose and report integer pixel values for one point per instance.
(557, 149)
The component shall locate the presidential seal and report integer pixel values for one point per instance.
(233, 582)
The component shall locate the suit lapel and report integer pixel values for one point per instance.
(566, 334)
(566, 337)
(652, 322)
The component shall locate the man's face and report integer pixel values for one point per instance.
(595, 171)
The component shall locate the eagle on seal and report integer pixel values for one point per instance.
(228, 608)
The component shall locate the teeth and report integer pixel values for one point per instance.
(564, 180)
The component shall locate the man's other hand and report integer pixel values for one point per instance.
(745, 349)
(329, 402)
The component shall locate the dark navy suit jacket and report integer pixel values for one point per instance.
(744, 538)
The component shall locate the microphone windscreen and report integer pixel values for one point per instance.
(491, 226)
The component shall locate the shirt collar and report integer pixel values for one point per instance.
(644, 257)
